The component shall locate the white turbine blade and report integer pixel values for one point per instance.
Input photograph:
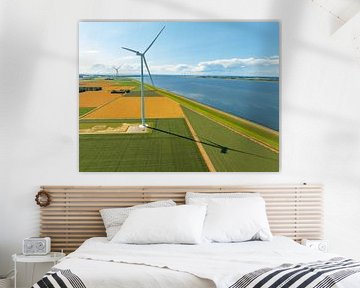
(154, 40)
(147, 68)
(130, 50)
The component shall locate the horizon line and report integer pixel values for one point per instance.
(201, 75)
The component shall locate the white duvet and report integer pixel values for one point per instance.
(100, 263)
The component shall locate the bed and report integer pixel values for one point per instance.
(294, 211)
(99, 263)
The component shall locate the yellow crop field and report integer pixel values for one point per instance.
(98, 83)
(94, 84)
(129, 107)
(106, 85)
(117, 87)
(95, 98)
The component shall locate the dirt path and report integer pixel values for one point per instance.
(200, 146)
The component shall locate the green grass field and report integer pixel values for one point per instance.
(169, 148)
(84, 110)
(127, 82)
(229, 151)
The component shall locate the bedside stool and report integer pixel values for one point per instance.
(53, 257)
(320, 245)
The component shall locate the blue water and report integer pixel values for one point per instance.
(257, 101)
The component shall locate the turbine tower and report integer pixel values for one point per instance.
(117, 70)
(143, 61)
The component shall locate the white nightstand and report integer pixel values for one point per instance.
(320, 245)
(53, 257)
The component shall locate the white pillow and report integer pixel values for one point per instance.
(204, 198)
(113, 218)
(180, 224)
(236, 220)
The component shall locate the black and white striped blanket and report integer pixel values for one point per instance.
(59, 278)
(320, 274)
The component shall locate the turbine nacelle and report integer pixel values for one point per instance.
(134, 51)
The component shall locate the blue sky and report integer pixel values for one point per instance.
(201, 48)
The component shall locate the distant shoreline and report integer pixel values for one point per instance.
(245, 78)
(226, 77)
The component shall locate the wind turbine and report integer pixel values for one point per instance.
(143, 61)
(117, 70)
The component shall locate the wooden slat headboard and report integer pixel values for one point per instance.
(73, 215)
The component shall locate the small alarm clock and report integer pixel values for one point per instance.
(36, 246)
(320, 245)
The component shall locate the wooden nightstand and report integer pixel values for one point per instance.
(53, 257)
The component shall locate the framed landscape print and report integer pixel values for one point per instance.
(179, 96)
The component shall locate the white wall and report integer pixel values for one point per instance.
(320, 117)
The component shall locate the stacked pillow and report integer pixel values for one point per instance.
(171, 225)
(220, 217)
(114, 218)
(233, 217)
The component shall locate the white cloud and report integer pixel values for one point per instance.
(238, 66)
(234, 63)
(100, 69)
(172, 68)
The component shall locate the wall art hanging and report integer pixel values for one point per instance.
(179, 96)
